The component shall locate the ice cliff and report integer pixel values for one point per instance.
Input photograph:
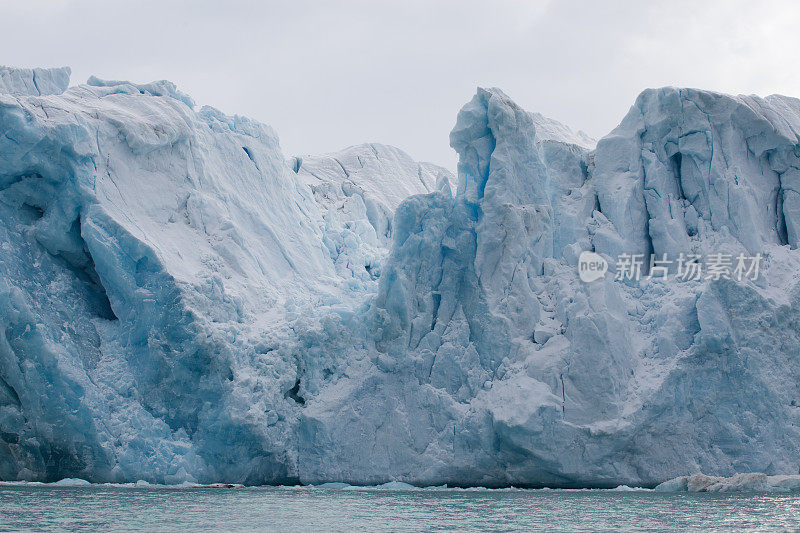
(181, 302)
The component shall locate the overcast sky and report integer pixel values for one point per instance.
(329, 74)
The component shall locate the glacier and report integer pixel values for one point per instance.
(181, 302)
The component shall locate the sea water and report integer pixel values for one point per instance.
(114, 508)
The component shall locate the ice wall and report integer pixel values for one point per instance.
(155, 262)
(179, 302)
(495, 365)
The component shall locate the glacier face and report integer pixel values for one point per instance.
(158, 266)
(181, 302)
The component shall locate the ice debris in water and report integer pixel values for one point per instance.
(753, 482)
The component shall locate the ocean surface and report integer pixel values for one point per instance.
(115, 508)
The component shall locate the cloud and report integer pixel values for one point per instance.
(327, 75)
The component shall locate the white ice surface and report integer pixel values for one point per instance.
(34, 81)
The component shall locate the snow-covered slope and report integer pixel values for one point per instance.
(358, 190)
(385, 173)
(180, 304)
